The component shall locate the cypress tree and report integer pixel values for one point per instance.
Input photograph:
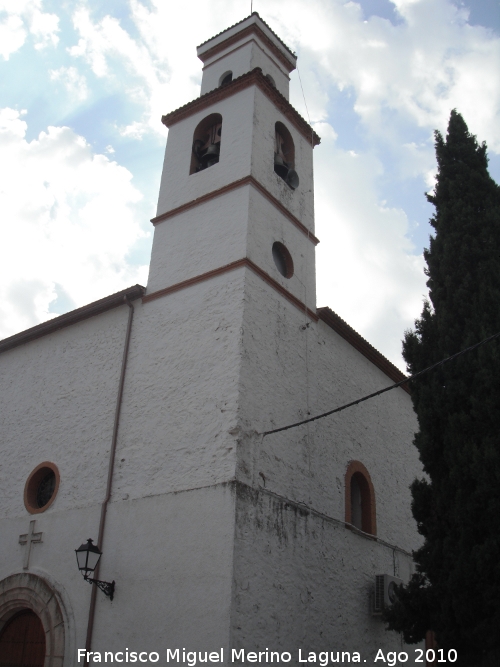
(456, 588)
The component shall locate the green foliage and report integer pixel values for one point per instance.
(456, 591)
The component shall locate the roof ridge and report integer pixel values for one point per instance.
(242, 21)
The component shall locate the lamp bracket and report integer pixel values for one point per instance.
(106, 587)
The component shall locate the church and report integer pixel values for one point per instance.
(144, 429)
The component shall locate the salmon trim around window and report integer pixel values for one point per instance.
(41, 487)
(360, 510)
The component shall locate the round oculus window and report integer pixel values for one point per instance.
(41, 488)
(282, 259)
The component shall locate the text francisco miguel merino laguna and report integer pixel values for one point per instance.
(192, 658)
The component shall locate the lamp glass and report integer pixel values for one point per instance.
(87, 556)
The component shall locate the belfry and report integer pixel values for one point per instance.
(147, 425)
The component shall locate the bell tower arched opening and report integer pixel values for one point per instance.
(284, 156)
(225, 79)
(206, 143)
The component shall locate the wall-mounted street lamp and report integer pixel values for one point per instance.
(87, 556)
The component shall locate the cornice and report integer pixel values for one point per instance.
(359, 343)
(244, 262)
(74, 316)
(202, 277)
(247, 180)
(243, 21)
(253, 29)
(252, 78)
(284, 292)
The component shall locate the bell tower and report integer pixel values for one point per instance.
(236, 190)
(229, 304)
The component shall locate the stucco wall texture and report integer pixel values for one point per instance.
(242, 57)
(311, 582)
(262, 561)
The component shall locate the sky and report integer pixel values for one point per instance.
(83, 86)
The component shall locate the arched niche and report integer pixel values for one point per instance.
(226, 79)
(284, 155)
(271, 80)
(206, 143)
(27, 592)
(360, 510)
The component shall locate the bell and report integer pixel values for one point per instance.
(211, 155)
(280, 166)
(197, 146)
(292, 179)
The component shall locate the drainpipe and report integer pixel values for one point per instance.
(111, 465)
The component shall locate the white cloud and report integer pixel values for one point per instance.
(135, 130)
(419, 69)
(416, 71)
(109, 49)
(12, 35)
(74, 82)
(366, 267)
(159, 68)
(23, 17)
(44, 27)
(68, 219)
(11, 123)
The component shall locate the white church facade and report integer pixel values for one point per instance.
(141, 420)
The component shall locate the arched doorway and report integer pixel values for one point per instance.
(28, 602)
(22, 641)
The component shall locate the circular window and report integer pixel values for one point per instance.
(41, 488)
(282, 259)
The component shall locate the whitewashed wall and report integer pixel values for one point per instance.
(243, 54)
(58, 398)
(209, 368)
(300, 202)
(200, 239)
(169, 535)
(243, 57)
(177, 185)
(302, 580)
(247, 148)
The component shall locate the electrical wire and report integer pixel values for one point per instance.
(302, 89)
(382, 391)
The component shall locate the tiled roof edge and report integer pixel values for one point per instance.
(236, 84)
(359, 343)
(74, 316)
(242, 21)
